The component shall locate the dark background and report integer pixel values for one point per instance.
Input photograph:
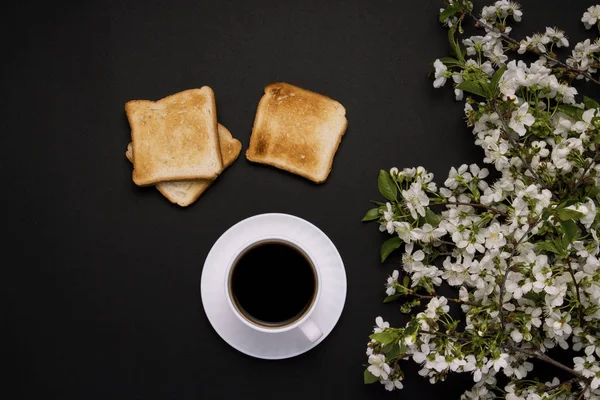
(100, 280)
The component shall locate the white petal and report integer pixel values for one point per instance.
(374, 370)
(419, 357)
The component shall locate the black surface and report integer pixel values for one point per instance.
(100, 278)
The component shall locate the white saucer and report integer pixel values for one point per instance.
(272, 346)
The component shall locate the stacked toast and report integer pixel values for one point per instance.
(178, 146)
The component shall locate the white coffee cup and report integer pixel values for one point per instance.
(303, 322)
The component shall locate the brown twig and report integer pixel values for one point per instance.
(587, 385)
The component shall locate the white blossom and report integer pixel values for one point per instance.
(499, 362)
(388, 216)
(557, 36)
(381, 325)
(416, 200)
(591, 16)
(494, 238)
(391, 385)
(378, 366)
(458, 93)
(587, 210)
(403, 230)
(391, 281)
(428, 233)
(411, 261)
(520, 119)
(440, 74)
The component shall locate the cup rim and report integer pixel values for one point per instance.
(274, 329)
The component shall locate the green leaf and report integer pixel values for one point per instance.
(391, 351)
(556, 246)
(548, 246)
(570, 228)
(567, 213)
(432, 218)
(370, 378)
(389, 246)
(377, 203)
(473, 88)
(382, 337)
(496, 79)
(590, 103)
(391, 298)
(567, 203)
(561, 245)
(403, 348)
(593, 191)
(571, 111)
(447, 13)
(411, 329)
(386, 186)
(454, 46)
(372, 214)
(564, 244)
(597, 138)
(450, 62)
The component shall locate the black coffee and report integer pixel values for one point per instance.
(273, 283)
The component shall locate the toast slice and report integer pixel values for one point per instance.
(175, 138)
(184, 193)
(297, 130)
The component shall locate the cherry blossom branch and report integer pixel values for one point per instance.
(590, 166)
(459, 301)
(513, 41)
(503, 283)
(538, 181)
(543, 357)
(530, 352)
(579, 309)
(514, 144)
(491, 209)
(443, 334)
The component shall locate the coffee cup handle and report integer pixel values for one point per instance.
(311, 330)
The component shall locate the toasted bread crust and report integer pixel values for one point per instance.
(185, 193)
(175, 138)
(297, 130)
